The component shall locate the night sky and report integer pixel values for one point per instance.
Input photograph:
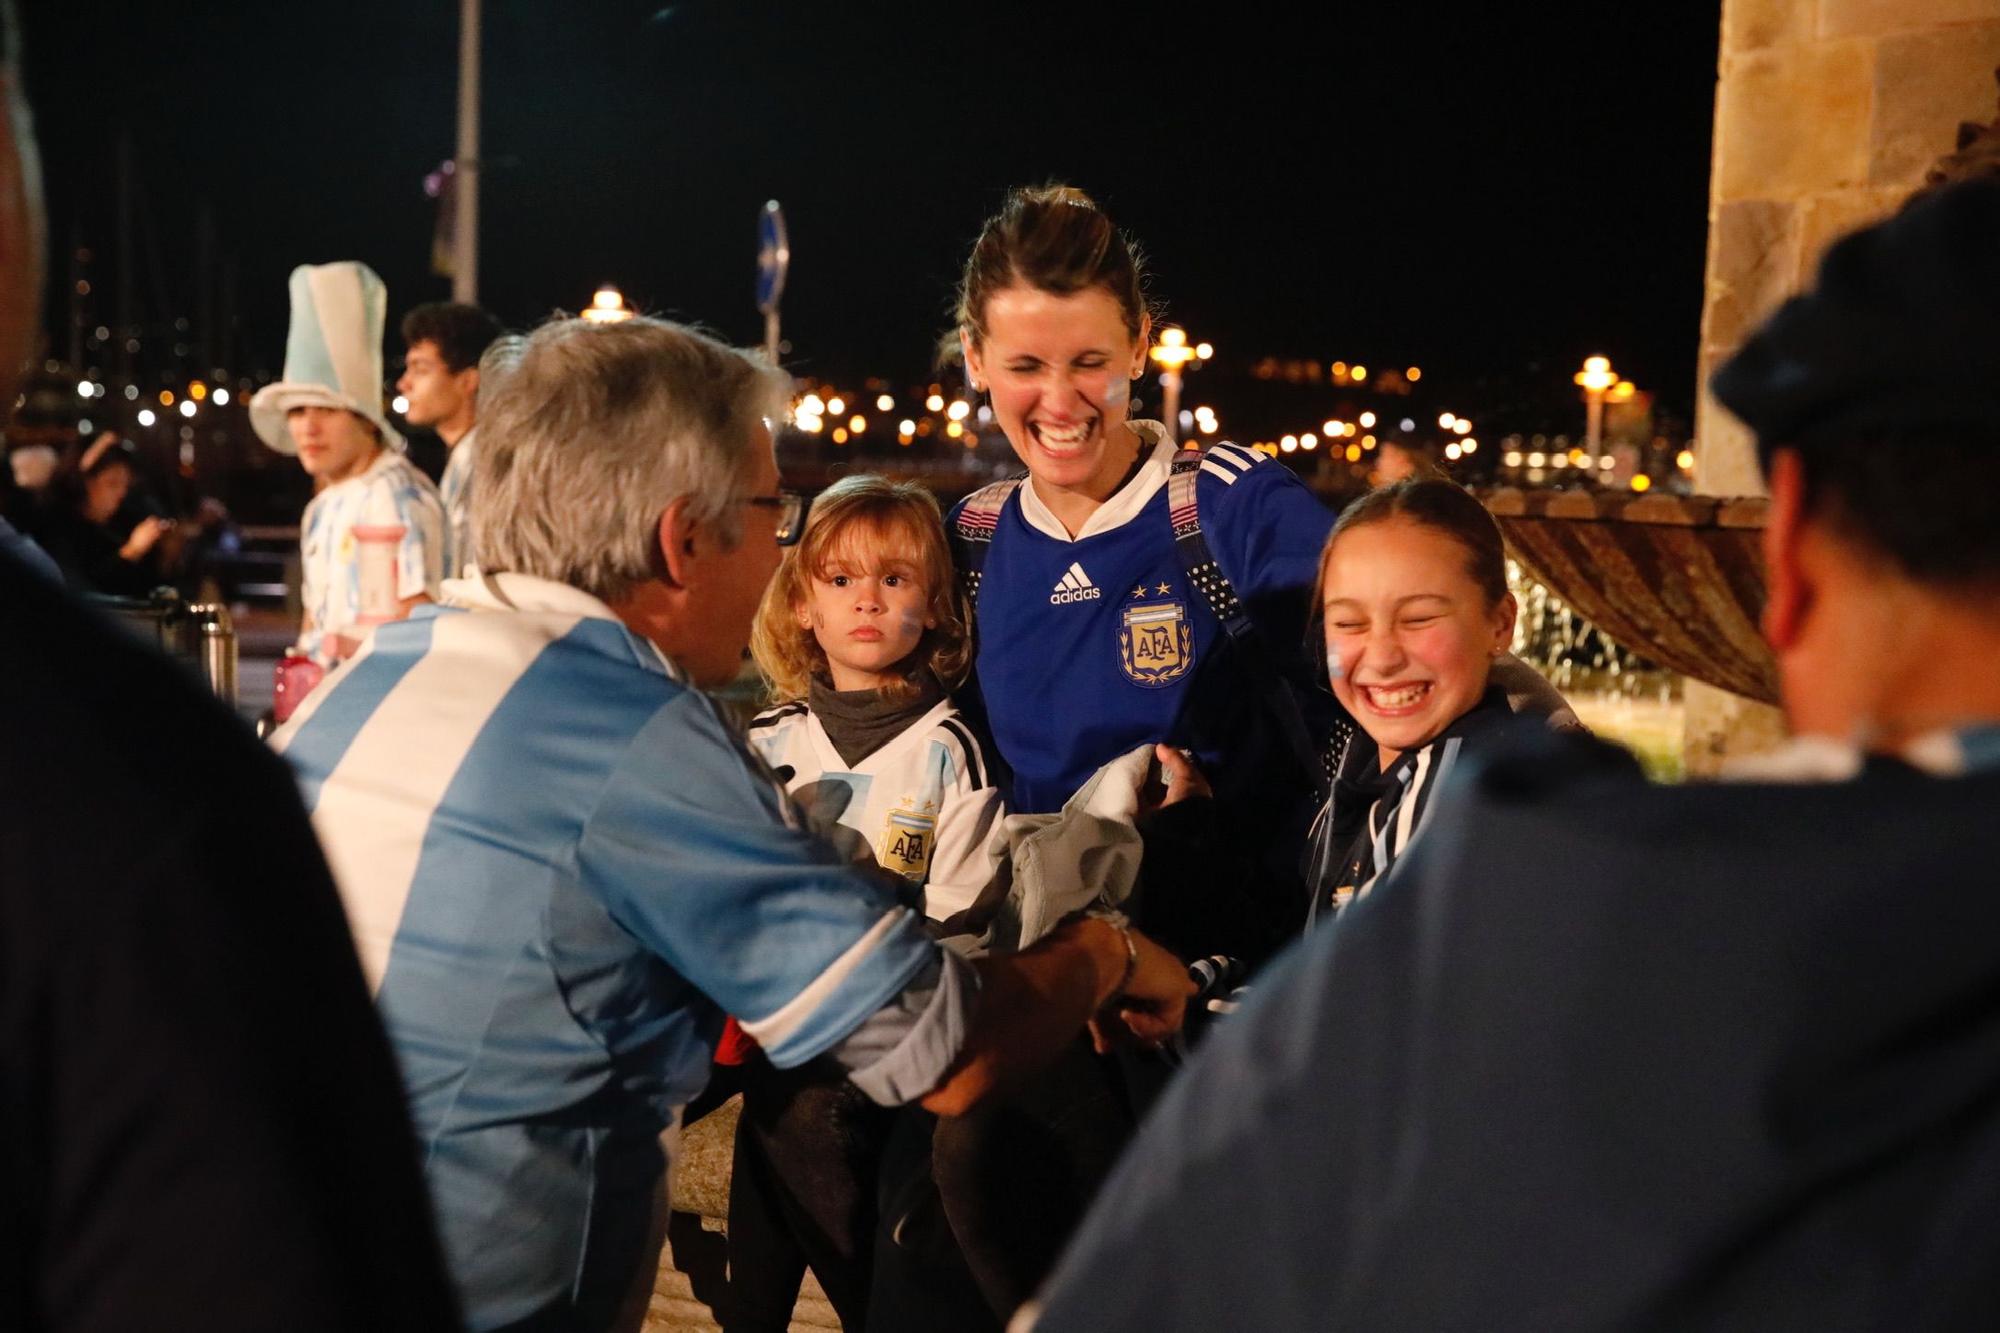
(1468, 189)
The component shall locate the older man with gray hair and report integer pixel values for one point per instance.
(562, 867)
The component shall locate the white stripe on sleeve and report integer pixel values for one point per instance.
(1406, 813)
(1445, 761)
(771, 1030)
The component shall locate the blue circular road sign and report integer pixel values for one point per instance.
(774, 256)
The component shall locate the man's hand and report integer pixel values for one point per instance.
(1154, 1002)
(1033, 1003)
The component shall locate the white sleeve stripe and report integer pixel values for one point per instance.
(975, 762)
(774, 1029)
(1406, 814)
(1445, 761)
(1241, 461)
(1214, 470)
(1379, 837)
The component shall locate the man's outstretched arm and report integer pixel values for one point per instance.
(1033, 1003)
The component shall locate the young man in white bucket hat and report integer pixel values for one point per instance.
(327, 410)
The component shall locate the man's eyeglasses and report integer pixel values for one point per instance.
(791, 507)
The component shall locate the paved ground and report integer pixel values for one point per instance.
(693, 1268)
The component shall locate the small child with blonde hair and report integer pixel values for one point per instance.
(862, 634)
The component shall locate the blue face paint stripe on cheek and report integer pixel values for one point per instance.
(1334, 670)
(1117, 391)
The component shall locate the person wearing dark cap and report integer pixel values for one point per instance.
(1602, 1054)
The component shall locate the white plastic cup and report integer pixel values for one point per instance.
(377, 545)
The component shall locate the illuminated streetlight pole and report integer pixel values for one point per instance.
(466, 173)
(1595, 378)
(1171, 353)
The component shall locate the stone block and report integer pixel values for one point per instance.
(1719, 726)
(1793, 121)
(1876, 18)
(1725, 461)
(1925, 84)
(1753, 265)
(1827, 218)
(1755, 25)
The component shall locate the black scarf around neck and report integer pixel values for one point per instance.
(860, 722)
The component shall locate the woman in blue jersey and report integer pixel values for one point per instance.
(1122, 598)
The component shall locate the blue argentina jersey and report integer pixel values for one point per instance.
(562, 868)
(1090, 646)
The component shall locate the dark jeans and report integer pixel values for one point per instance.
(1007, 1184)
(802, 1192)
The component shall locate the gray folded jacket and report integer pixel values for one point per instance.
(1049, 867)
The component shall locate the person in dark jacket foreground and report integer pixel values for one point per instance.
(1599, 1054)
(204, 1127)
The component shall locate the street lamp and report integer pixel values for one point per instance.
(1171, 353)
(1595, 378)
(607, 306)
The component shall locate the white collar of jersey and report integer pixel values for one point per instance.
(1124, 505)
(526, 593)
(1939, 753)
(523, 592)
(385, 461)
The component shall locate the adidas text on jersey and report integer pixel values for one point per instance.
(1075, 586)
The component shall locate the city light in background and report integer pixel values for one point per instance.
(1173, 354)
(607, 306)
(942, 427)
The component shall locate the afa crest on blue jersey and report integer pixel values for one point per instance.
(1155, 642)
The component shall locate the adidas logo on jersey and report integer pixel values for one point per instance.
(1075, 587)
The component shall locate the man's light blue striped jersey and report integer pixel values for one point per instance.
(562, 867)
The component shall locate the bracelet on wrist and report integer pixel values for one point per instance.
(1121, 923)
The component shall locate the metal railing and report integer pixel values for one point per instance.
(200, 635)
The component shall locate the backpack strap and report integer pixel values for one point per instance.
(1318, 758)
(1197, 561)
(972, 532)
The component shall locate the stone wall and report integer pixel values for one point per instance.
(1827, 115)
